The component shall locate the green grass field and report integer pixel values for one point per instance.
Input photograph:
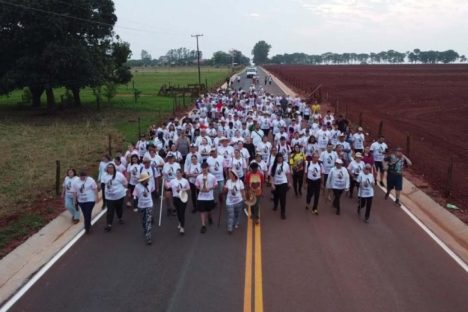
(33, 140)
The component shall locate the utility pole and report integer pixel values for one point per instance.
(198, 57)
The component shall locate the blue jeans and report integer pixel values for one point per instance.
(147, 216)
(75, 212)
(87, 209)
(234, 214)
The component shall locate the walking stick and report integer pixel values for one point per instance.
(161, 202)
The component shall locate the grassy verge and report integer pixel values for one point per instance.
(33, 140)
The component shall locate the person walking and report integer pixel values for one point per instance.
(281, 175)
(338, 181)
(205, 183)
(106, 159)
(144, 202)
(355, 167)
(396, 163)
(235, 196)
(85, 192)
(297, 162)
(379, 149)
(254, 183)
(366, 183)
(191, 172)
(313, 171)
(115, 190)
(178, 185)
(67, 195)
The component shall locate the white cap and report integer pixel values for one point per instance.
(339, 161)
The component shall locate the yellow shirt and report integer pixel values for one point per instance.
(297, 161)
(316, 108)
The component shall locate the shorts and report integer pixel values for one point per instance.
(379, 166)
(394, 181)
(205, 205)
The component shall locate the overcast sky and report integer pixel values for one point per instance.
(309, 26)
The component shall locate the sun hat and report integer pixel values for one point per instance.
(359, 129)
(234, 173)
(183, 195)
(144, 177)
(358, 155)
(339, 161)
(146, 159)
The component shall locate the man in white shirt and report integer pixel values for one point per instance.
(379, 149)
(216, 168)
(338, 181)
(358, 141)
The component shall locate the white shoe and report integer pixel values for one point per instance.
(178, 227)
(181, 231)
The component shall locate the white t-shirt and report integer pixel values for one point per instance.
(133, 171)
(193, 169)
(366, 185)
(239, 166)
(355, 167)
(143, 194)
(338, 178)
(378, 150)
(115, 187)
(156, 162)
(216, 166)
(152, 173)
(85, 190)
(211, 183)
(358, 140)
(281, 173)
(314, 171)
(67, 185)
(179, 185)
(169, 171)
(234, 195)
(328, 160)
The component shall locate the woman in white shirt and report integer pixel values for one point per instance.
(235, 196)
(115, 190)
(191, 172)
(366, 183)
(67, 195)
(238, 164)
(133, 174)
(280, 174)
(169, 174)
(85, 193)
(313, 172)
(205, 183)
(144, 201)
(102, 169)
(177, 185)
(338, 181)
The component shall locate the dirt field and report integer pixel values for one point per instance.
(428, 103)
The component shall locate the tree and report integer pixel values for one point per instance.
(70, 46)
(221, 58)
(239, 58)
(260, 52)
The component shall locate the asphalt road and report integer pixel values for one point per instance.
(309, 263)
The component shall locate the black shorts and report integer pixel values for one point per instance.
(394, 181)
(205, 205)
(379, 166)
(306, 117)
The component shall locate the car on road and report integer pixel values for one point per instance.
(251, 72)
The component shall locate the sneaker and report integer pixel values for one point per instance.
(256, 221)
(203, 230)
(283, 217)
(307, 207)
(108, 228)
(236, 226)
(88, 231)
(397, 202)
(315, 211)
(229, 231)
(179, 227)
(366, 220)
(149, 241)
(181, 231)
(337, 212)
(135, 209)
(210, 221)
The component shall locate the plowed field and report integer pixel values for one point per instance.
(428, 103)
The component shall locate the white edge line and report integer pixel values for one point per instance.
(20, 293)
(431, 234)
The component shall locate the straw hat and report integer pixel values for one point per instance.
(144, 177)
(183, 196)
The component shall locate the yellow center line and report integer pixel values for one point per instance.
(248, 268)
(258, 270)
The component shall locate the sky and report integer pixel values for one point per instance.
(309, 26)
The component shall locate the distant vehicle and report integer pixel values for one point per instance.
(251, 72)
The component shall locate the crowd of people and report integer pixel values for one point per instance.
(239, 147)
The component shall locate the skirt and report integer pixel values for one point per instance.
(205, 205)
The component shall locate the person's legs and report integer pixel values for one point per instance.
(110, 214)
(276, 197)
(300, 181)
(148, 216)
(316, 194)
(87, 209)
(283, 190)
(193, 193)
(368, 207)
(309, 194)
(230, 217)
(103, 187)
(336, 201)
(119, 208)
(237, 212)
(71, 208)
(351, 187)
(295, 182)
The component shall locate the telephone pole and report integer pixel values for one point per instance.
(198, 57)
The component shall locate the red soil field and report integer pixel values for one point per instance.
(428, 103)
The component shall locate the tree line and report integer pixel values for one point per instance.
(186, 57)
(385, 57)
(55, 44)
